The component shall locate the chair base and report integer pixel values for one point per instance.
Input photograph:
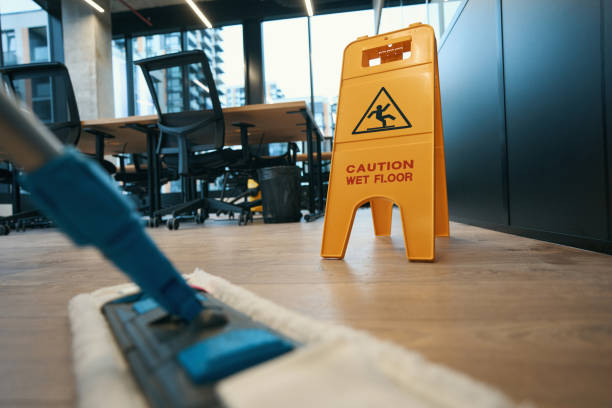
(199, 209)
(22, 221)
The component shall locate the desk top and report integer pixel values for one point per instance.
(273, 123)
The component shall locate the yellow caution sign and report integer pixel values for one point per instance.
(388, 146)
(253, 184)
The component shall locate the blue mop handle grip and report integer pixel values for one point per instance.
(83, 201)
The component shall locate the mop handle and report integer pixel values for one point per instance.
(86, 204)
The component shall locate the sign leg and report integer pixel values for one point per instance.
(382, 212)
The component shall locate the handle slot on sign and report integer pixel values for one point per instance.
(396, 51)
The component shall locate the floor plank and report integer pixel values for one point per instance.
(532, 318)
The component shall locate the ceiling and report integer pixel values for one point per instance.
(117, 6)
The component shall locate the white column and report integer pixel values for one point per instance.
(88, 56)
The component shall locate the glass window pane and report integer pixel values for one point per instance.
(224, 48)
(45, 94)
(441, 13)
(286, 65)
(328, 44)
(168, 89)
(198, 88)
(35, 95)
(145, 47)
(25, 36)
(396, 18)
(120, 78)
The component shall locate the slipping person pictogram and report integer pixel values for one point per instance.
(383, 118)
(386, 112)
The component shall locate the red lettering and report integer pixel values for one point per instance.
(408, 176)
(408, 164)
(396, 165)
(361, 168)
(350, 180)
(350, 168)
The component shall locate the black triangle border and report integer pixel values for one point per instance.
(370, 107)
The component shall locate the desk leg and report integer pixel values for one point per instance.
(15, 190)
(151, 170)
(311, 174)
(320, 174)
(100, 148)
(156, 177)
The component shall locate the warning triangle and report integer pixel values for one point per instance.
(382, 114)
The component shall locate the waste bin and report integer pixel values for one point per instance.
(280, 190)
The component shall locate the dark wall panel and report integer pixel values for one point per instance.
(607, 49)
(473, 116)
(557, 177)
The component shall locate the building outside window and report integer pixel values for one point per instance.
(25, 36)
(9, 47)
(151, 46)
(25, 39)
(224, 48)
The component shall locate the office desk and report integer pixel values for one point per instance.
(274, 123)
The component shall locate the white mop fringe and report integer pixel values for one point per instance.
(441, 386)
(103, 378)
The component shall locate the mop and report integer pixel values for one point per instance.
(335, 366)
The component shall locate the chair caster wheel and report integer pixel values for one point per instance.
(4, 230)
(200, 218)
(173, 224)
(245, 217)
(155, 222)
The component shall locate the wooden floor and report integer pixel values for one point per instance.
(532, 318)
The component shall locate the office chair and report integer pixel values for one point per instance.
(46, 90)
(192, 134)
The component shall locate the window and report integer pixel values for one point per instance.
(39, 50)
(120, 78)
(224, 48)
(25, 36)
(151, 46)
(328, 44)
(396, 18)
(286, 65)
(9, 47)
(440, 14)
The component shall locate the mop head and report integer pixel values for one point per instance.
(336, 366)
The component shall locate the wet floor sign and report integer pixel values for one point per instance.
(388, 146)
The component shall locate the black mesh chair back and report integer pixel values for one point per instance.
(46, 90)
(186, 99)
